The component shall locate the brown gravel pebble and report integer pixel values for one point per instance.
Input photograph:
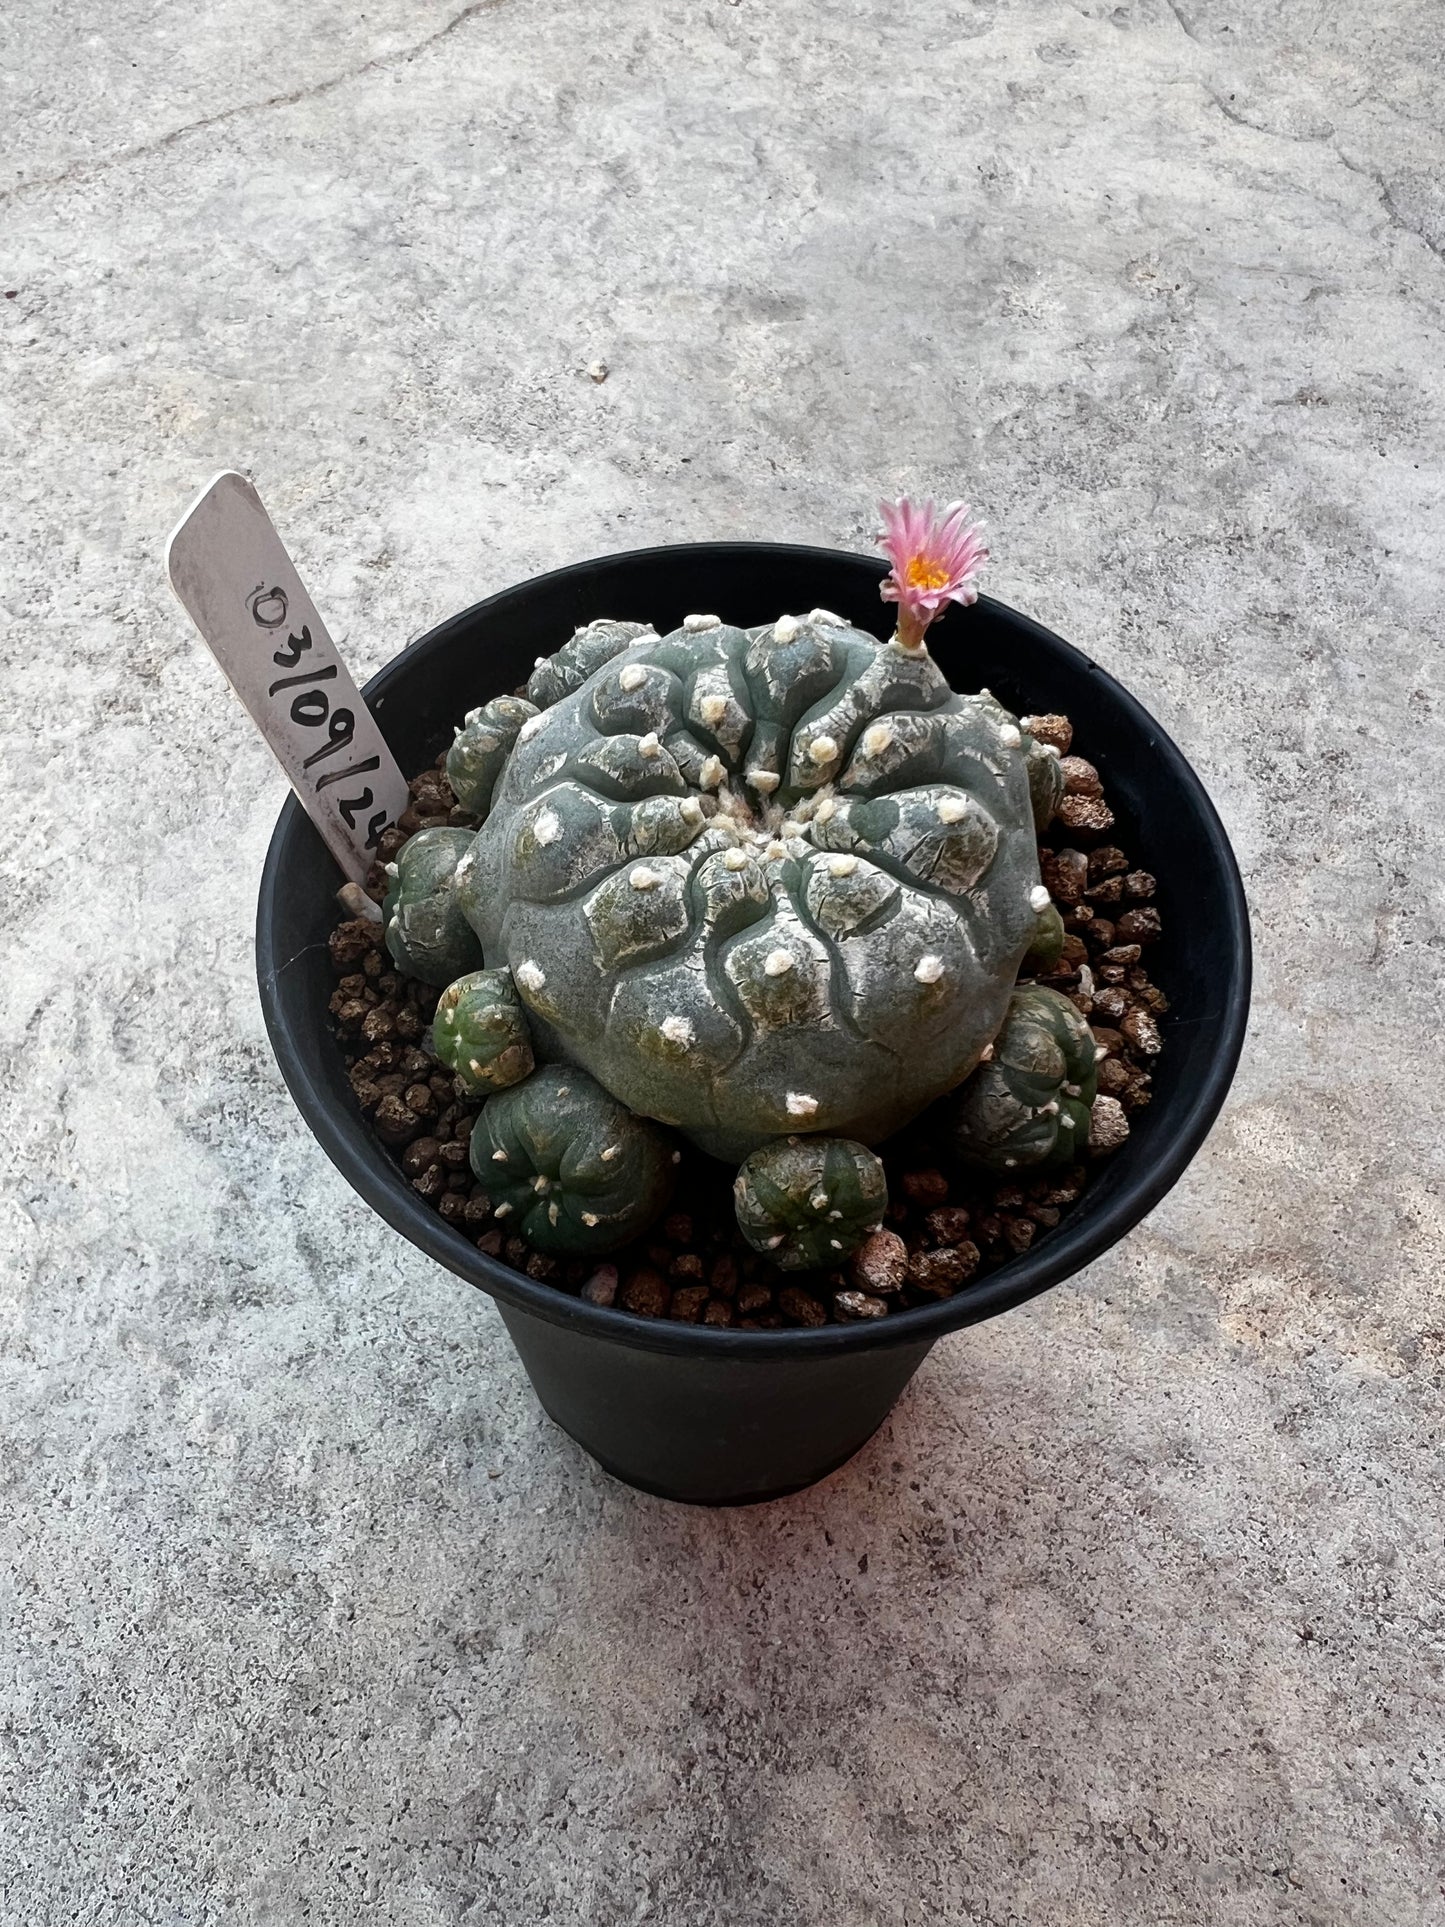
(687, 1304)
(948, 1225)
(601, 1287)
(801, 1307)
(646, 1292)
(944, 1227)
(420, 1155)
(1141, 1031)
(880, 1264)
(1107, 861)
(1108, 1126)
(925, 1188)
(940, 1273)
(1065, 875)
(1115, 1076)
(1080, 778)
(852, 1306)
(395, 1123)
(722, 1275)
(1140, 926)
(1057, 731)
(1018, 1233)
(349, 942)
(1086, 815)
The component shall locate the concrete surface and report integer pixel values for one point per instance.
(1134, 1612)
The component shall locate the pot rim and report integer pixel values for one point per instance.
(348, 1141)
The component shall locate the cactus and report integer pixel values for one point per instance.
(480, 1033)
(1029, 1104)
(557, 675)
(1048, 940)
(479, 753)
(567, 1166)
(806, 1202)
(762, 882)
(421, 915)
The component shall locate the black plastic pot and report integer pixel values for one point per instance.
(717, 1416)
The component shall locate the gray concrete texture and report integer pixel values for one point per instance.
(1133, 1612)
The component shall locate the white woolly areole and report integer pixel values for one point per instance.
(776, 851)
(695, 623)
(951, 809)
(633, 676)
(547, 828)
(766, 780)
(1039, 898)
(735, 859)
(778, 963)
(610, 1152)
(499, 1157)
(589, 1218)
(678, 1030)
(1008, 735)
(786, 628)
(644, 879)
(690, 810)
(928, 969)
(826, 615)
(826, 810)
(649, 745)
(819, 1201)
(822, 749)
(801, 1105)
(876, 739)
(712, 709)
(530, 975)
(530, 727)
(712, 772)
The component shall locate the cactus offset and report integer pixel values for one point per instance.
(806, 1202)
(479, 754)
(567, 1166)
(761, 882)
(421, 915)
(480, 1032)
(1028, 1106)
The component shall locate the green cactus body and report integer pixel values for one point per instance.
(480, 1032)
(1048, 942)
(763, 882)
(806, 1202)
(421, 914)
(589, 650)
(479, 754)
(567, 1166)
(1029, 1104)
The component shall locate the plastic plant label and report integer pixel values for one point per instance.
(233, 577)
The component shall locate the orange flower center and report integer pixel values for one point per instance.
(924, 573)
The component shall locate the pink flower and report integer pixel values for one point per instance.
(936, 558)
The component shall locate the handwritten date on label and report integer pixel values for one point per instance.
(231, 572)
